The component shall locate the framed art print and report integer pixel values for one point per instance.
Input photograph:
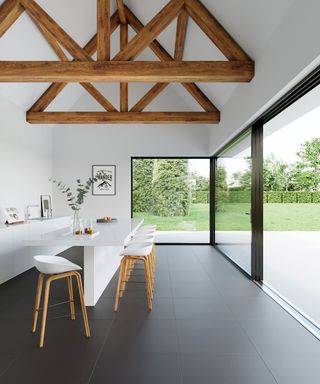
(106, 183)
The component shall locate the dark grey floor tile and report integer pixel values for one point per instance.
(225, 369)
(200, 308)
(137, 368)
(218, 334)
(193, 290)
(280, 335)
(6, 360)
(142, 336)
(294, 369)
(136, 309)
(67, 354)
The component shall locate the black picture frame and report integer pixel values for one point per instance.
(106, 185)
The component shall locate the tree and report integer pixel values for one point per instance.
(142, 185)
(277, 174)
(308, 166)
(171, 187)
(221, 192)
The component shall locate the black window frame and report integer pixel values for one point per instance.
(211, 201)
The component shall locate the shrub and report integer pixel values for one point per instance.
(200, 197)
(239, 196)
(142, 185)
(304, 197)
(315, 196)
(274, 197)
(289, 197)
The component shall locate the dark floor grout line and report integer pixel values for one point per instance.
(240, 325)
(9, 366)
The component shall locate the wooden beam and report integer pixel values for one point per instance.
(182, 25)
(148, 97)
(214, 30)
(50, 40)
(150, 31)
(60, 35)
(103, 30)
(98, 96)
(122, 13)
(163, 55)
(54, 89)
(123, 86)
(126, 71)
(123, 117)
(10, 10)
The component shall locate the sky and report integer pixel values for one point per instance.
(286, 142)
(201, 166)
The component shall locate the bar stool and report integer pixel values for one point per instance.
(132, 253)
(56, 268)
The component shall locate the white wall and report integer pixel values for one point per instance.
(25, 158)
(77, 148)
(292, 52)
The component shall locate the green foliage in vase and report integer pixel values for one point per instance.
(75, 199)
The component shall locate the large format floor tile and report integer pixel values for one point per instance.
(209, 325)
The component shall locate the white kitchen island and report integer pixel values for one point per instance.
(101, 253)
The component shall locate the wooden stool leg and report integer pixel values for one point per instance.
(71, 298)
(37, 302)
(45, 310)
(148, 286)
(116, 304)
(124, 276)
(83, 307)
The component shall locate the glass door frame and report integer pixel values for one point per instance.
(302, 88)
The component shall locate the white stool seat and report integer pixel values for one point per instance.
(142, 250)
(138, 241)
(50, 265)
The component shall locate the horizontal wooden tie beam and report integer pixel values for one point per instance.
(123, 117)
(123, 71)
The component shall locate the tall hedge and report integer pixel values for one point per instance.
(142, 184)
(171, 187)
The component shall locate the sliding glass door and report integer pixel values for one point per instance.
(292, 204)
(174, 194)
(233, 201)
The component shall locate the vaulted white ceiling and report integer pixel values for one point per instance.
(250, 22)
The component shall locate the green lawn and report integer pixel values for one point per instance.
(277, 217)
(198, 220)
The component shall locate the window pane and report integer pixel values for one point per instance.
(233, 202)
(292, 204)
(173, 193)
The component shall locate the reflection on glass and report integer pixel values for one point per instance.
(173, 193)
(292, 204)
(233, 202)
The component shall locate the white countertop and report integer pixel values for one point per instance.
(110, 234)
(28, 222)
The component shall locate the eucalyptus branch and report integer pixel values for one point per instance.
(75, 199)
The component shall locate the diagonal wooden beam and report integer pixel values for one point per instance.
(127, 71)
(122, 13)
(54, 89)
(10, 10)
(148, 97)
(50, 40)
(150, 31)
(60, 35)
(123, 86)
(163, 55)
(215, 31)
(99, 97)
(123, 117)
(103, 30)
(182, 24)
